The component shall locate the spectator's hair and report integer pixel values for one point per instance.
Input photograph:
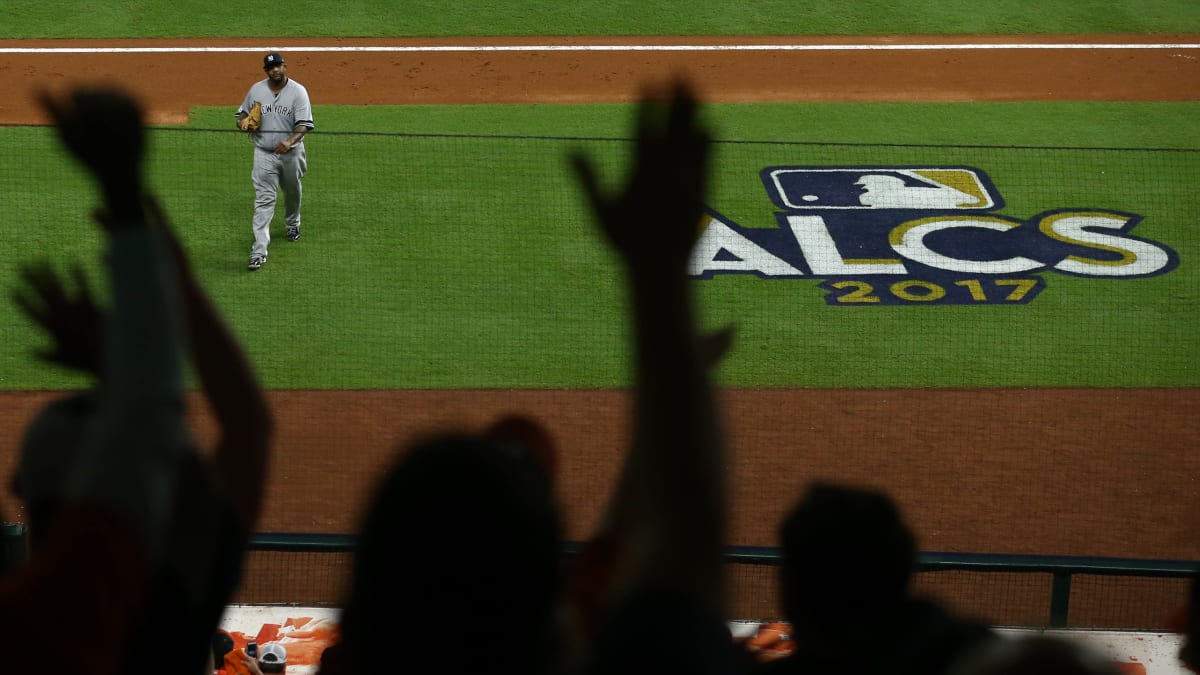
(222, 644)
(847, 556)
(459, 552)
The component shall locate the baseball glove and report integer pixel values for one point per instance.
(254, 119)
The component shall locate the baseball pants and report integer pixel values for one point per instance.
(271, 174)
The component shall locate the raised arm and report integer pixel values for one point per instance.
(100, 547)
(669, 504)
(76, 327)
(243, 416)
(127, 461)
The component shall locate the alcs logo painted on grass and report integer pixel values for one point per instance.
(894, 235)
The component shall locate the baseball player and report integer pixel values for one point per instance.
(277, 114)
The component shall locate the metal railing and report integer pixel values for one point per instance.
(1062, 570)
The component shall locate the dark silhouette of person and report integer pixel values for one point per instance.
(848, 559)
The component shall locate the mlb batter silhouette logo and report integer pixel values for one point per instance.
(881, 188)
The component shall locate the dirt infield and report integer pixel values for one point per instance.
(1054, 471)
(170, 82)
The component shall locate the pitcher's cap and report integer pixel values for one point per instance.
(271, 60)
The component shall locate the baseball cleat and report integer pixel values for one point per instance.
(293, 234)
(256, 261)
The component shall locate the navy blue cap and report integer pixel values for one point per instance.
(271, 60)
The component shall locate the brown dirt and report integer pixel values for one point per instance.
(1053, 471)
(1082, 471)
(169, 83)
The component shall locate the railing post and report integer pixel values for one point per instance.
(12, 545)
(1060, 599)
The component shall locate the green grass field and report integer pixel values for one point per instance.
(380, 18)
(468, 261)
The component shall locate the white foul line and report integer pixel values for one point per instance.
(597, 48)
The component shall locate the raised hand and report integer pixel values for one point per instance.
(103, 128)
(655, 218)
(72, 320)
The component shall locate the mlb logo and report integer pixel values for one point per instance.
(801, 188)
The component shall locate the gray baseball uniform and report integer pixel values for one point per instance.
(281, 114)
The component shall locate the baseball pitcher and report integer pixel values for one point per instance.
(277, 114)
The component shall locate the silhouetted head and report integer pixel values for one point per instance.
(458, 562)
(49, 447)
(847, 557)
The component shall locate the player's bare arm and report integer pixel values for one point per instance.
(297, 135)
